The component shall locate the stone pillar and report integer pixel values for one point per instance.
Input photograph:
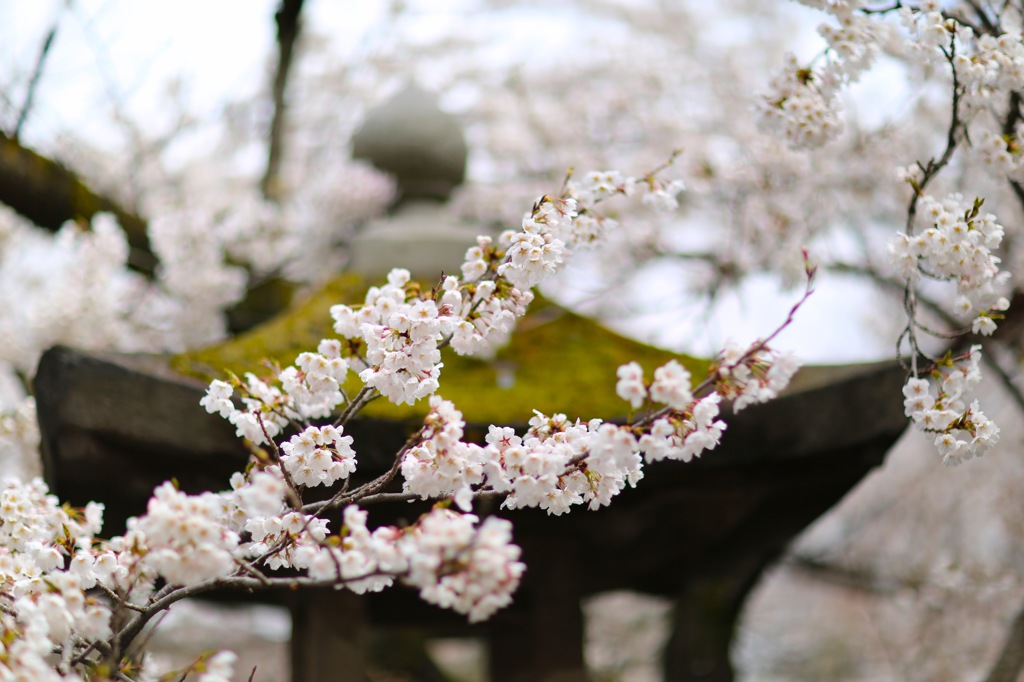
(329, 636)
(540, 638)
(703, 619)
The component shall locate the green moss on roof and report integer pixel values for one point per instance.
(281, 339)
(556, 361)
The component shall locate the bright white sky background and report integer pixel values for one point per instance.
(126, 51)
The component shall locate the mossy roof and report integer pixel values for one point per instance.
(556, 361)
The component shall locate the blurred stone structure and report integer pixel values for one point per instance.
(114, 426)
(423, 148)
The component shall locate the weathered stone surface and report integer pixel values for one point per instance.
(420, 236)
(424, 149)
(411, 138)
(115, 426)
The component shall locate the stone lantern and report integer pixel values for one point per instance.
(423, 148)
(700, 533)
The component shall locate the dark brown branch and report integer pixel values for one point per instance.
(932, 168)
(928, 172)
(1008, 334)
(49, 194)
(1013, 114)
(120, 641)
(288, 25)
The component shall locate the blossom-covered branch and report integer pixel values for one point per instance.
(65, 585)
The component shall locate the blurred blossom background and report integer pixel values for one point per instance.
(167, 108)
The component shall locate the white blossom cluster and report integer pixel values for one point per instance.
(367, 561)
(318, 456)
(20, 440)
(183, 537)
(856, 41)
(401, 337)
(45, 605)
(195, 269)
(535, 252)
(485, 319)
(749, 378)
(42, 624)
(958, 246)
(215, 238)
(982, 55)
(311, 388)
(72, 287)
(689, 429)
(441, 465)
(290, 540)
(988, 66)
(260, 419)
(453, 562)
(802, 105)
(403, 327)
(597, 186)
(671, 385)
(49, 559)
(51, 565)
(1001, 154)
(686, 435)
(536, 471)
(34, 527)
(937, 406)
(558, 464)
(270, 531)
(929, 32)
(457, 565)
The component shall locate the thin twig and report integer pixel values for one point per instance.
(253, 571)
(929, 171)
(294, 496)
(704, 386)
(33, 82)
(366, 395)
